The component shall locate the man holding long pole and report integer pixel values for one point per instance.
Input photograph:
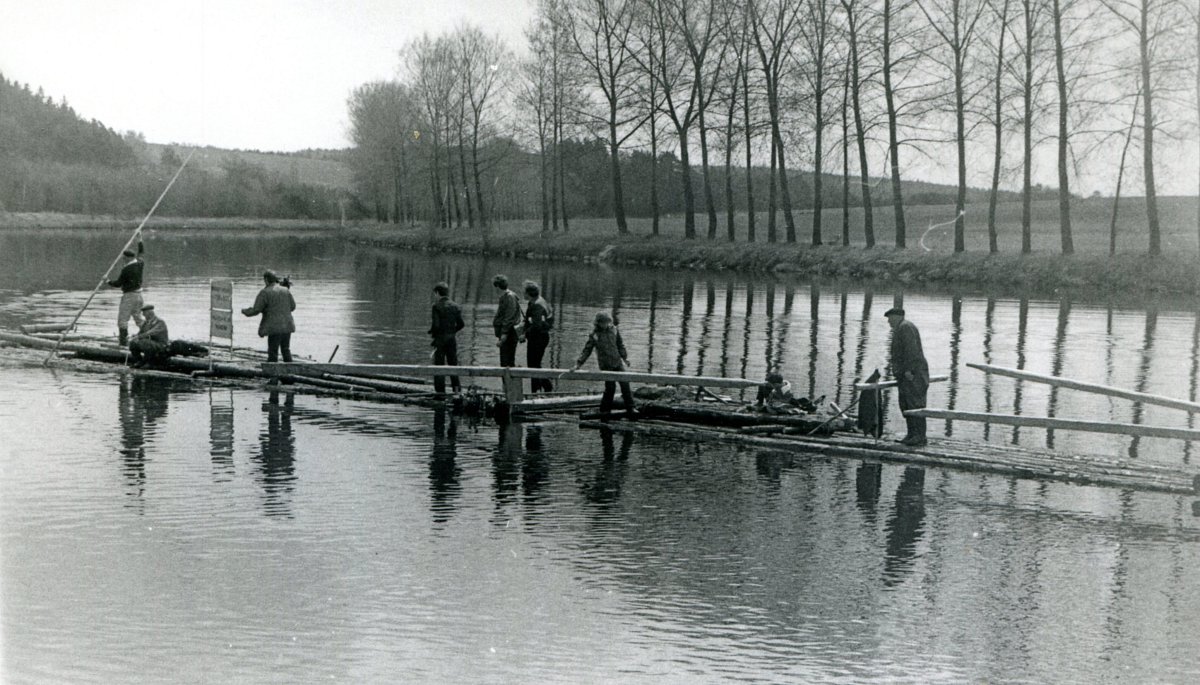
(130, 283)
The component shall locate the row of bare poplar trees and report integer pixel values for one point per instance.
(788, 84)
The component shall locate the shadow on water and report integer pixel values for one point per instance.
(277, 455)
(604, 488)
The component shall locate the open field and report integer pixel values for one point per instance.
(55, 220)
(297, 167)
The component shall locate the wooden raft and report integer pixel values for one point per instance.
(947, 453)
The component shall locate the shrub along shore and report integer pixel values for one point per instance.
(1124, 274)
(1128, 273)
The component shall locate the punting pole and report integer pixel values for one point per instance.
(1128, 429)
(104, 279)
(1144, 398)
(891, 383)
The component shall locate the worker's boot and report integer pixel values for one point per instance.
(122, 336)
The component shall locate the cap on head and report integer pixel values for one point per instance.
(270, 276)
(147, 308)
(441, 289)
(603, 318)
(500, 281)
(894, 311)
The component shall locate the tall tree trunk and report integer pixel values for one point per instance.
(435, 177)
(615, 168)
(1027, 135)
(1112, 227)
(860, 134)
(846, 160)
(1148, 132)
(730, 231)
(545, 200)
(993, 196)
(818, 130)
(893, 136)
(482, 208)
(772, 232)
(654, 209)
(452, 189)
(1064, 181)
(689, 197)
(750, 213)
(960, 201)
(562, 178)
(466, 186)
(784, 188)
(553, 176)
(709, 202)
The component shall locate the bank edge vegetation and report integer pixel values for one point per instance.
(831, 86)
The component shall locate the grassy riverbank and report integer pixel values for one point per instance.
(928, 260)
(1177, 271)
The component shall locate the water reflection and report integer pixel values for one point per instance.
(220, 433)
(141, 403)
(868, 481)
(905, 526)
(277, 455)
(444, 471)
(604, 489)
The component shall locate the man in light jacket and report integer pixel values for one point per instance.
(508, 317)
(276, 304)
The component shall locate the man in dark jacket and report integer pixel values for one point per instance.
(539, 319)
(446, 322)
(152, 343)
(911, 372)
(276, 304)
(508, 317)
(130, 283)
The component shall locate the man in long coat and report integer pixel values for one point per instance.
(911, 372)
(276, 304)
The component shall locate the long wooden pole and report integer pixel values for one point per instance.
(1061, 382)
(128, 243)
(500, 371)
(938, 378)
(1130, 429)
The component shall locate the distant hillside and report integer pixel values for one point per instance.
(34, 127)
(325, 168)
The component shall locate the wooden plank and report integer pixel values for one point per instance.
(1130, 429)
(891, 383)
(383, 370)
(1059, 381)
(45, 328)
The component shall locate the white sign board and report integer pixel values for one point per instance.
(221, 300)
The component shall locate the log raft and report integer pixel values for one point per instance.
(976, 457)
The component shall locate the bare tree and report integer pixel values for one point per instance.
(774, 32)
(1112, 227)
(600, 37)
(817, 29)
(429, 63)
(898, 56)
(999, 99)
(955, 21)
(854, 25)
(1031, 78)
(534, 94)
(1064, 179)
(484, 62)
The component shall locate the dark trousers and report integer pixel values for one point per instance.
(508, 349)
(148, 350)
(610, 389)
(445, 353)
(535, 351)
(912, 396)
(279, 342)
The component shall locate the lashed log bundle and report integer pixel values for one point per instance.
(688, 413)
(956, 454)
(392, 370)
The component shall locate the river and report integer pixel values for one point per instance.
(168, 531)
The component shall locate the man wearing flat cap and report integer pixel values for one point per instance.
(911, 372)
(151, 344)
(130, 283)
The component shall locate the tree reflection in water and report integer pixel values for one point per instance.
(277, 455)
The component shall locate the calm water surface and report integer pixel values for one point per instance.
(169, 531)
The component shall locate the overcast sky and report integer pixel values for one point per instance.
(250, 74)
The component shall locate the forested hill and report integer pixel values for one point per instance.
(52, 160)
(34, 127)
